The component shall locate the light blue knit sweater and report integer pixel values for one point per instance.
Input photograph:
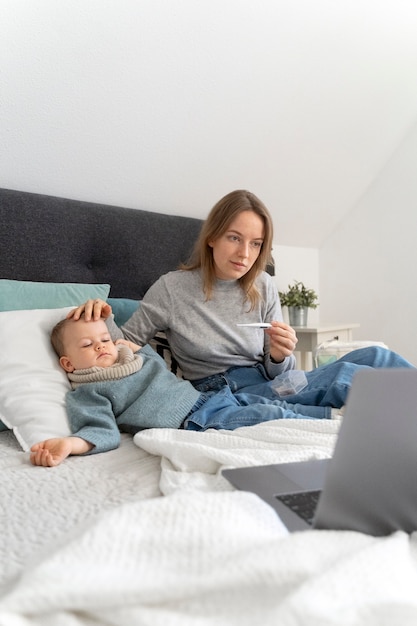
(153, 397)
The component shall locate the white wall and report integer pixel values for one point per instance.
(368, 266)
(292, 264)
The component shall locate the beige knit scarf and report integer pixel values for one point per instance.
(126, 364)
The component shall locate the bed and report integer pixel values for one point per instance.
(151, 533)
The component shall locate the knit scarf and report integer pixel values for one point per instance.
(126, 364)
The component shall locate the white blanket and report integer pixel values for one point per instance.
(206, 554)
(218, 559)
(195, 460)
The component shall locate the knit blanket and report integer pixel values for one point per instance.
(218, 559)
(206, 554)
(194, 460)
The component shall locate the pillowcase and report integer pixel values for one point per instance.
(32, 383)
(23, 294)
(123, 309)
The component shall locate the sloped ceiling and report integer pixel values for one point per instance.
(168, 105)
(349, 101)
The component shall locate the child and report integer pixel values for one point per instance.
(117, 389)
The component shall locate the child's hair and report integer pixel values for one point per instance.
(217, 223)
(57, 334)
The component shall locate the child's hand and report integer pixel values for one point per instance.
(52, 452)
(133, 346)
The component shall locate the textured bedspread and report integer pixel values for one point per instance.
(215, 559)
(204, 553)
(39, 506)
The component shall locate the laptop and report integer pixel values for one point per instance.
(370, 483)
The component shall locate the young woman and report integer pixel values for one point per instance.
(200, 308)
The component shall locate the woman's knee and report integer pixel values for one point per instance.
(332, 372)
(375, 356)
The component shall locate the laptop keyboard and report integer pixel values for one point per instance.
(302, 503)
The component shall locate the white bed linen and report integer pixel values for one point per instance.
(195, 459)
(39, 505)
(204, 553)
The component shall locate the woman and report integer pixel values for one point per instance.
(200, 307)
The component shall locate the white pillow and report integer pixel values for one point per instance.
(32, 383)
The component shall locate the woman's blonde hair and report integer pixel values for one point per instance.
(216, 224)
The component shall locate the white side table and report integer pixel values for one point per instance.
(310, 337)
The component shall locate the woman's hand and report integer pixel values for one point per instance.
(283, 341)
(92, 309)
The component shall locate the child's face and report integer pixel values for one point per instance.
(87, 344)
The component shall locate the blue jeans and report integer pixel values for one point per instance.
(327, 386)
(224, 410)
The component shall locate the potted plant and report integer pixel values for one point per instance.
(298, 299)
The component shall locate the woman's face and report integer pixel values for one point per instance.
(235, 252)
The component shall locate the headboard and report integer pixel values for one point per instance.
(50, 239)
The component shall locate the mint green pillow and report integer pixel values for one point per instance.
(19, 295)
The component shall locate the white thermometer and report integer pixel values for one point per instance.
(257, 325)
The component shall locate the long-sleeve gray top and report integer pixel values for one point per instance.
(203, 334)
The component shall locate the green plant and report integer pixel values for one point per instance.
(299, 296)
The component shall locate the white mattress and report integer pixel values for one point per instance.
(39, 506)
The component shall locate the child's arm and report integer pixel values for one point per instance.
(52, 452)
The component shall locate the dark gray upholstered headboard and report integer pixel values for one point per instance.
(50, 239)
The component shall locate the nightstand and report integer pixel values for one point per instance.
(310, 337)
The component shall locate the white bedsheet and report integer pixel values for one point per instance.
(206, 554)
(41, 505)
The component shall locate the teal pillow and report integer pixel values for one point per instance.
(19, 295)
(123, 309)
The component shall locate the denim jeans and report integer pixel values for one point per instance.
(225, 410)
(327, 386)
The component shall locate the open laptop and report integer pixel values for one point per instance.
(370, 484)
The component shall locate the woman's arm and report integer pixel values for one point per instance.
(281, 339)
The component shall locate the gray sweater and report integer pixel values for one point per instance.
(152, 397)
(203, 334)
